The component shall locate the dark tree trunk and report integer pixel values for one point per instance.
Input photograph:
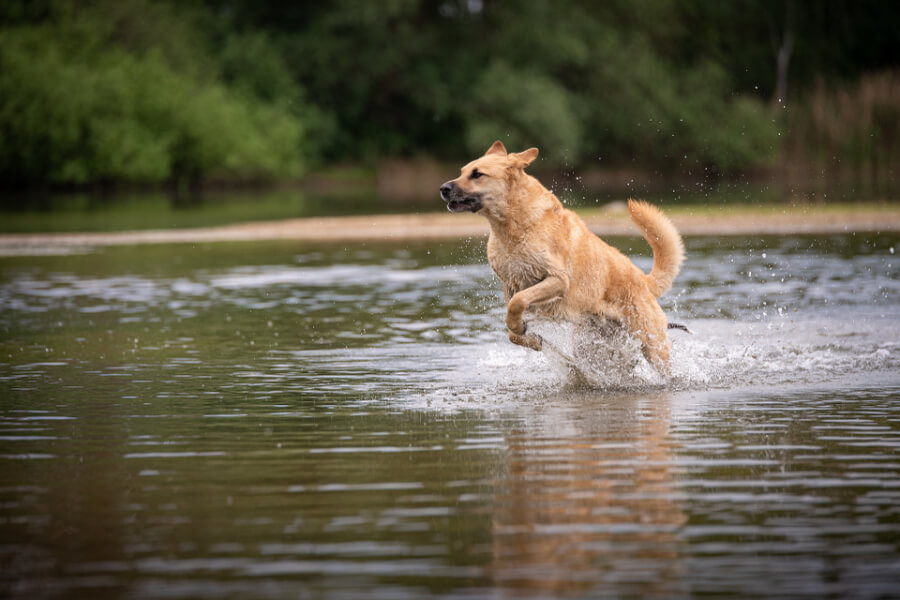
(782, 46)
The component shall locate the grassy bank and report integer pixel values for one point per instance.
(613, 221)
(358, 192)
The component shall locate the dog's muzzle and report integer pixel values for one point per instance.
(457, 201)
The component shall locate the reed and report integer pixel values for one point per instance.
(847, 132)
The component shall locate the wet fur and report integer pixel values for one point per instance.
(551, 264)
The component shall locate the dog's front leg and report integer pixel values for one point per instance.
(528, 340)
(549, 289)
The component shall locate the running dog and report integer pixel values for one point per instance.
(548, 261)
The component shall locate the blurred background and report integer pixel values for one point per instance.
(346, 106)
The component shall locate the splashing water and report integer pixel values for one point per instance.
(720, 354)
(611, 360)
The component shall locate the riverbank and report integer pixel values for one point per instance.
(611, 220)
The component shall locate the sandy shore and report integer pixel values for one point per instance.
(431, 226)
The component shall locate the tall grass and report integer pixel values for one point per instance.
(852, 131)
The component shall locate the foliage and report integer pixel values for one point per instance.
(77, 108)
(836, 40)
(155, 90)
(580, 80)
(523, 108)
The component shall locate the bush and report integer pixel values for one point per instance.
(524, 109)
(638, 107)
(93, 111)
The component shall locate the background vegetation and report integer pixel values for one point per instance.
(178, 91)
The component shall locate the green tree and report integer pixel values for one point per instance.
(92, 94)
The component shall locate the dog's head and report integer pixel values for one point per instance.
(484, 183)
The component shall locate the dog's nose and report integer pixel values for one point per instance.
(446, 189)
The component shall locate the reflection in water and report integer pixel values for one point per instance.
(588, 502)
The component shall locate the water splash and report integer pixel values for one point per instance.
(722, 354)
(583, 358)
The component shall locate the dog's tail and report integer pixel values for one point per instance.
(668, 250)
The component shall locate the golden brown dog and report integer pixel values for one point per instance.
(550, 262)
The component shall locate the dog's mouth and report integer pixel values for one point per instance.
(466, 204)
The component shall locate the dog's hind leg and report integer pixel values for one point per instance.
(650, 329)
(656, 352)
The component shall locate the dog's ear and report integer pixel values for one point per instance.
(496, 148)
(523, 159)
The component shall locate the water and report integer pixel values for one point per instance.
(275, 420)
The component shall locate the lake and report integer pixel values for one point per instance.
(279, 420)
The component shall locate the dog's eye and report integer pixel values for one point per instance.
(476, 174)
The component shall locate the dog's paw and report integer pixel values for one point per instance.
(515, 324)
(529, 341)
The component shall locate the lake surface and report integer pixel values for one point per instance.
(284, 421)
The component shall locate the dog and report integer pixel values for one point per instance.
(550, 263)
